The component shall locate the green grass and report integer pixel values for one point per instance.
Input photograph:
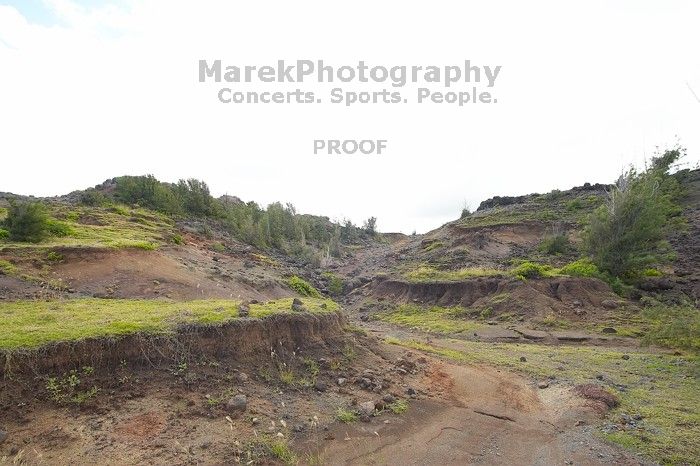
(267, 446)
(302, 287)
(427, 273)
(663, 388)
(398, 406)
(104, 227)
(431, 319)
(30, 324)
(345, 415)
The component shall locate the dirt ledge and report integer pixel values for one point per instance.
(241, 340)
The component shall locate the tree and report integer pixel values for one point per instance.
(370, 225)
(27, 221)
(627, 233)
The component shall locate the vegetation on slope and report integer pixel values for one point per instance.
(28, 324)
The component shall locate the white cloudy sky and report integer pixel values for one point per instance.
(94, 89)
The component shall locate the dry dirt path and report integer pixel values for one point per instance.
(487, 416)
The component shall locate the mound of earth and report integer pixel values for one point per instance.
(566, 297)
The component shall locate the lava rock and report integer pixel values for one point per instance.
(237, 403)
(523, 359)
(366, 408)
(609, 330)
(609, 304)
(320, 386)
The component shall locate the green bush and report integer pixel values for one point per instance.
(335, 283)
(529, 269)
(27, 221)
(581, 268)
(628, 233)
(4, 234)
(57, 228)
(556, 244)
(92, 197)
(302, 287)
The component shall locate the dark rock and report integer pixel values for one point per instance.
(523, 359)
(609, 304)
(237, 403)
(3, 436)
(321, 386)
(599, 377)
(298, 305)
(411, 391)
(625, 357)
(609, 330)
(389, 398)
(243, 310)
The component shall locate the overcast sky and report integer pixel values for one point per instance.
(95, 89)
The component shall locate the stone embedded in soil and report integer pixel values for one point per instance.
(543, 384)
(237, 403)
(523, 359)
(241, 377)
(366, 408)
(609, 330)
(243, 310)
(320, 386)
(298, 305)
(609, 304)
(625, 357)
(570, 336)
(341, 381)
(389, 398)
(531, 334)
(3, 436)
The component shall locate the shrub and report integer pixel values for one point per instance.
(4, 234)
(529, 269)
(627, 233)
(218, 247)
(302, 287)
(581, 268)
(27, 221)
(556, 244)
(92, 197)
(57, 228)
(335, 283)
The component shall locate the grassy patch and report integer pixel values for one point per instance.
(664, 389)
(426, 273)
(431, 319)
(302, 287)
(269, 447)
(110, 227)
(346, 415)
(27, 324)
(398, 406)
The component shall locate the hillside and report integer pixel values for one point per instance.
(181, 328)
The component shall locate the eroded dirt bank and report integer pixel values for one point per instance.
(240, 340)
